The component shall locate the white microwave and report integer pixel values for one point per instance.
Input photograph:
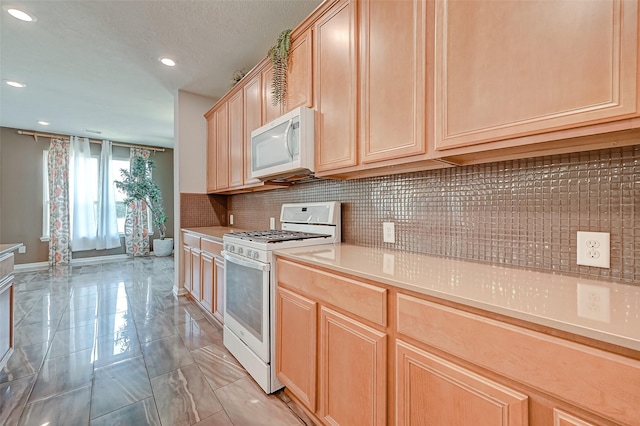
(283, 148)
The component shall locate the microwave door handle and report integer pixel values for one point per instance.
(286, 138)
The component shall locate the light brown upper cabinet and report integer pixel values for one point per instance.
(218, 147)
(392, 79)
(518, 68)
(299, 83)
(236, 139)
(371, 88)
(222, 146)
(335, 82)
(252, 120)
(269, 110)
(211, 151)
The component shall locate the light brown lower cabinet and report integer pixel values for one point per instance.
(296, 343)
(196, 288)
(188, 277)
(207, 263)
(6, 308)
(204, 273)
(434, 391)
(345, 382)
(353, 371)
(349, 360)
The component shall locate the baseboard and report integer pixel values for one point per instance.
(30, 266)
(74, 262)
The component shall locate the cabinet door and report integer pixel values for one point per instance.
(188, 275)
(515, 68)
(222, 147)
(433, 391)
(236, 139)
(353, 371)
(269, 110)
(208, 280)
(218, 299)
(296, 337)
(252, 120)
(560, 418)
(392, 83)
(196, 276)
(335, 82)
(6, 319)
(212, 153)
(299, 82)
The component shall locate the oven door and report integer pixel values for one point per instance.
(247, 302)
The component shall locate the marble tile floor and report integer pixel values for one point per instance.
(109, 344)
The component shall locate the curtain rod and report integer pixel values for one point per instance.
(52, 135)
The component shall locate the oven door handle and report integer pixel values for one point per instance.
(246, 263)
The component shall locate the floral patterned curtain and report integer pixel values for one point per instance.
(136, 225)
(58, 163)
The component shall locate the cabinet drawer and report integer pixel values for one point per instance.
(364, 300)
(6, 265)
(598, 381)
(211, 247)
(191, 240)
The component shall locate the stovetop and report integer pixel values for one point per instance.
(274, 236)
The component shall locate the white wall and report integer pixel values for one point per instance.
(189, 161)
(191, 141)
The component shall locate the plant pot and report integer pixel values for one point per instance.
(163, 247)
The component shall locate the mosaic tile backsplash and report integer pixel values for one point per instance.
(202, 210)
(522, 212)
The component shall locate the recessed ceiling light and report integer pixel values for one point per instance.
(43, 123)
(168, 62)
(15, 84)
(21, 15)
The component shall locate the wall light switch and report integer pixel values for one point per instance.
(230, 219)
(272, 223)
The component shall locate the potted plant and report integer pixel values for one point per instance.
(137, 184)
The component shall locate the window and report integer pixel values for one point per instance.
(93, 183)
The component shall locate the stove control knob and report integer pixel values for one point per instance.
(256, 254)
(240, 250)
(249, 253)
(231, 248)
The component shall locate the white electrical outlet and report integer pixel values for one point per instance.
(22, 249)
(230, 219)
(389, 232)
(593, 249)
(272, 223)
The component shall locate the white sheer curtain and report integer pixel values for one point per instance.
(81, 177)
(108, 236)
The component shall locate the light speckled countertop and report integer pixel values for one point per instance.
(8, 248)
(600, 310)
(213, 232)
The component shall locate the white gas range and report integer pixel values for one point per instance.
(250, 299)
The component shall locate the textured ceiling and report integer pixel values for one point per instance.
(94, 64)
